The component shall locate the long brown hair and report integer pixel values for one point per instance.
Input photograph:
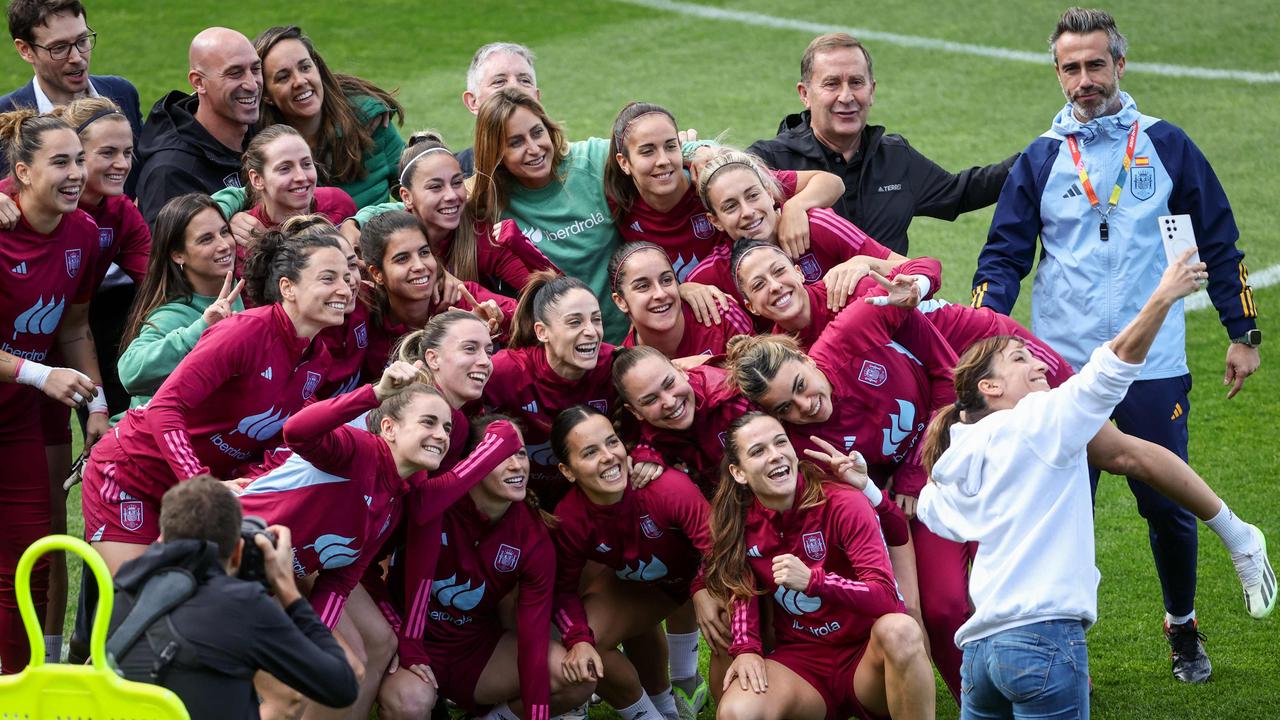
(165, 282)
(975, 365)
(479, 426)
(461, 261)
(492, 180)
(619, 188)
(344, 137)
(727, 575)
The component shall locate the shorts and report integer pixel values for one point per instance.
(111, 514)
(458, 667)
(829, 670)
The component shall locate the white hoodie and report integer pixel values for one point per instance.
(1017, 482)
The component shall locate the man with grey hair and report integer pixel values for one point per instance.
(493, 67)
(193, 143)
(1095, 190)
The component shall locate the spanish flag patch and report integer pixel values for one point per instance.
(1141, 162)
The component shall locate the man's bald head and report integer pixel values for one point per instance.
(227, 75)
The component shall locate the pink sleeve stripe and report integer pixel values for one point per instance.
(739, 623)
(538, 712)
(180, 447)
(333, 610)
(738, 321)
(563, 622)
(389, 613)
(845, 583)
(479, 455)
(838, 225)
(417, 623)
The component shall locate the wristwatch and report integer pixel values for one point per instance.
(1251, 338)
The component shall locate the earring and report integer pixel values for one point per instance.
(182, 267)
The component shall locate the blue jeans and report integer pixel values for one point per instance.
(1039, 670)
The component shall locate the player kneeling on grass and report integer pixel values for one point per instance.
(843, 643)
(493, 544)
(1010, 471)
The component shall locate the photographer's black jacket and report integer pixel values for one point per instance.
(236, 629)
(887, 182)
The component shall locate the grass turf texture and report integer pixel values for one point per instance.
(595, 56)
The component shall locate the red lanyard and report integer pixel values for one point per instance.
(1074, 147)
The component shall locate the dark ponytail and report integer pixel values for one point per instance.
(544, 290)
(277, 255)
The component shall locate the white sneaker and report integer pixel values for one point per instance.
(578, 713)
(1257, 577)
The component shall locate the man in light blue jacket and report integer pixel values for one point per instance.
(1092, 189)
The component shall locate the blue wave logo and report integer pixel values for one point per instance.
(644, 571)
(41, 318)
(796, 602)
(334, 551)
(263, 425)
(451, 593)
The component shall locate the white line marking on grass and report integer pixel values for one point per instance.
(915, 41)
(1261, 279)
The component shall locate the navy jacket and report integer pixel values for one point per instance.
(109, 86)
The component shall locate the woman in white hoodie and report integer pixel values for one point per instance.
(1010, 471)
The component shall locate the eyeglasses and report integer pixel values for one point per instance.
(62, 51)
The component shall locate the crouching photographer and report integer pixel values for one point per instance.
(193, 613)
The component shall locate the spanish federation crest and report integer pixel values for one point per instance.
(601, 405)
(649, 528)
(362, 335)
(73, 262)
(131, 513)
(313, 381)
(106, 236)
(814, 546)
(506, 559)
(810, 267)
(873, 373)
(1142, 182)
(702, 227)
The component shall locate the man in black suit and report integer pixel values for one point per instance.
(54, 36)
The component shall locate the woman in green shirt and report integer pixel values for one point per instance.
(553, 189)
(187, 288)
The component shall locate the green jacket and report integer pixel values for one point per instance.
(381, 162)
(169, 333)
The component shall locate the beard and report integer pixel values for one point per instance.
(1105, 103)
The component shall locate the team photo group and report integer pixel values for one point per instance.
(644, 424)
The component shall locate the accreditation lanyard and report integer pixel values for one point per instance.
(1074, 147)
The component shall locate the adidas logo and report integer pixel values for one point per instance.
(532, 407)
(636, 226)
(1177, 411)
(849, 440)
(368, 500)
(266, 373)
(444, 539)
(602, 548)
(754, 551)
(20, 268)
(1073, 191)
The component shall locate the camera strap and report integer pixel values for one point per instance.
(162, 592)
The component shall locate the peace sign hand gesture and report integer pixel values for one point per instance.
(903, 291)
(850, 469)
(220, 309)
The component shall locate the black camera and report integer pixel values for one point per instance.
(252, 562)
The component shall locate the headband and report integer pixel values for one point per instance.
(733, 269)
(418, 157)
(744, 163)
(617, 271)
(617, 137)
(97, 116)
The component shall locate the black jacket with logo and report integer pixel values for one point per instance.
(178, 156)
(887, 182)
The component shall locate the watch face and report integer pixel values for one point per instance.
(1254, 336)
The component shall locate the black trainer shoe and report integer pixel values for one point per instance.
(1190, 663)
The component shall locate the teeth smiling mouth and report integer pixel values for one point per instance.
(433, 449)
(661, 309)
(612, 473)
(337, 305)
(780, 472)
(449, 210)
(304, 96)
(225, 260)
(817, 407)
(421, 281)
(678, 412)
(587, 348)
(516, 480)
(477, 377)
(783, 301)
